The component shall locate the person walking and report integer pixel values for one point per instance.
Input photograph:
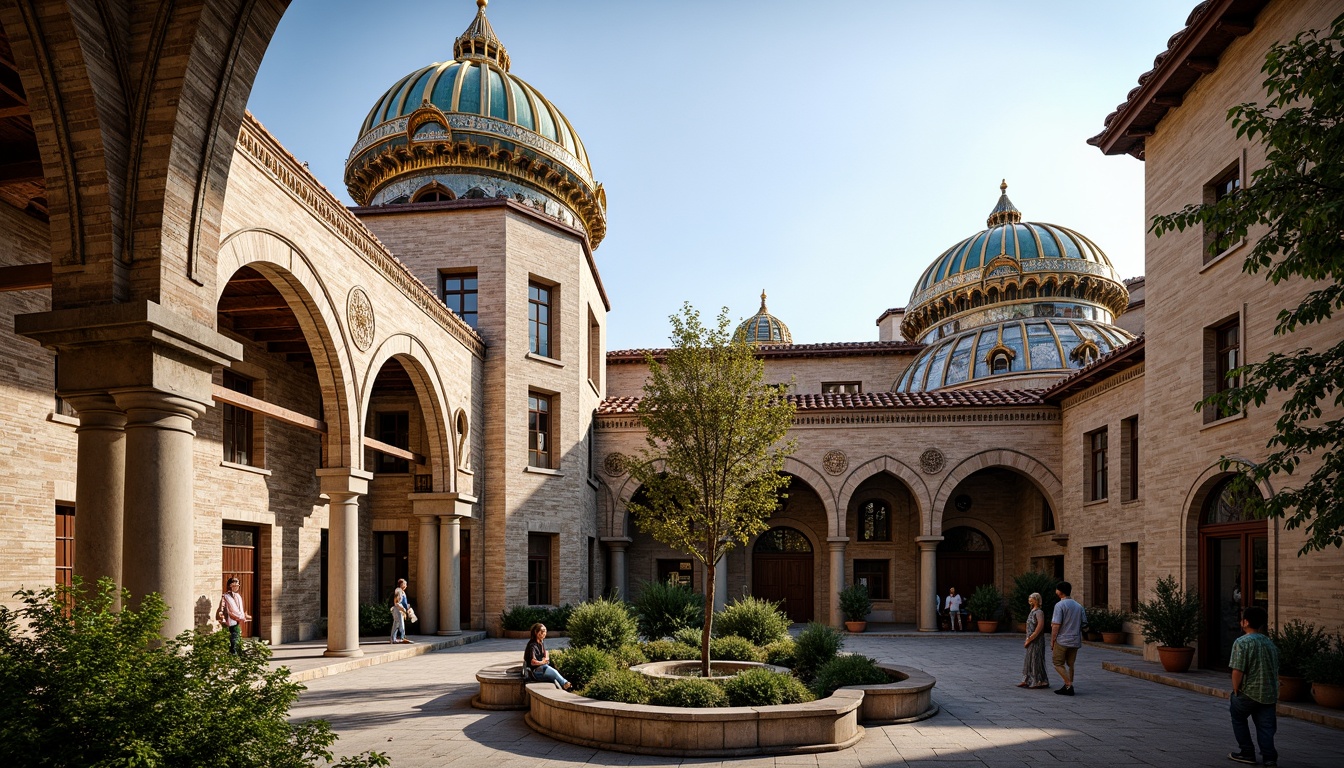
(231, 604)
(1066, 636)
(537, 660)
(1255, 688)
(953, 605)
(401, 606)
(1033, 663)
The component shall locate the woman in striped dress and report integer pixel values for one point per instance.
(1033, 665)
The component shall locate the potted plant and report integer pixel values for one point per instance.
(1111, 624)
(1325, 670)
(855, 606)
(1023, 585)
(1171, 619)
(1298, 642)
(985, 605)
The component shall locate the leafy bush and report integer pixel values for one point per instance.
(619, 685)
(1327, 666)
(664, 607)
(816, 646)
(986, 604)
(1298, 643)
(101, 687)
(760, 621)
(375, 619)
(780, 653)
(854, 602)
(756, 688)
(689, 636)
(690, 692)
(628, 656)
(556, 619)
(580, 665)
(847, 670)
(1172, 618)
(1026, 583)
(733, 648)
(603, 624)
(1103, 619)
(520, 618)
(668, 650)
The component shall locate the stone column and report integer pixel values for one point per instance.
(616, 547)
(928, 582)
(427, 573)
(837, 577)
(100, 485)
(450, 596)
(721, 583)
(343, 486)
(158, 546)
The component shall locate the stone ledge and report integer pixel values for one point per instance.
(418, 649)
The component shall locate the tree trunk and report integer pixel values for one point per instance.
(709, 619)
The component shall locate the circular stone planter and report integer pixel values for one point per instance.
(501, 687)
(681, 670)
(907, 698)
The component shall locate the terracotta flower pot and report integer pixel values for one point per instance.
(1176, 659)
(1328, 695)
(1113, 638)
(855, 626)
(1020, 627)
(1292, 688)
(987, 626)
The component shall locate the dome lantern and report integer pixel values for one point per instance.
(1004, 212)
(764, 328)
(480, 41)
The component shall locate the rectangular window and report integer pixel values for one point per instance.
(237, 422)
(681, 570)
(538, 430)
(1096, 475)
(1047, 517)
(1223, 186)
(874, 574)
(539, 318)
(394, 428)
(1098, 592)
(59, 406)
(594, 350)
(539, 568)
(1226, 349)
(1129, 588)
(841, 387)
(1129, 437)
(459, 293)
(65, 548)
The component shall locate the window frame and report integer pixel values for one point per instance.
(238, 424)
(860, 523)
(1217, 347)
(594, 350)
(1226, 183)
(1097, 446)
(540, 567)
(540, 424)
(541, 301)
(470, 317)
(868, 568)
(1098, 576)
(1129, 439)
(842, 387)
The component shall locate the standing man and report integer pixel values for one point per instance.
(1255, 688)
(1066, 635)
(234, 613)
(954, 609)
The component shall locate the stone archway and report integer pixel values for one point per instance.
(434, 406)
(1045, 480)
(884, 464)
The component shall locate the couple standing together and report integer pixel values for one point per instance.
(1066, 637)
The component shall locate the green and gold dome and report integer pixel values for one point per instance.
(471, 128)
(764, 328)
(1013, 305)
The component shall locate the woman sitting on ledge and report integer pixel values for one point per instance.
(537, 660)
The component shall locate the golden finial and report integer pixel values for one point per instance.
(482, 3)
(1004, 186)
(762, 299)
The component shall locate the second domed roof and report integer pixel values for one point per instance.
(764, 328)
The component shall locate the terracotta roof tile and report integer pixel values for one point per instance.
(964, 398)
(1117, 359)
(827, 349)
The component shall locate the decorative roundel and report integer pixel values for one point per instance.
(931, 461)
(835, 462)
(962, 502)
(614, 464)
(359, 314)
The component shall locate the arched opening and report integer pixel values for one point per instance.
(782, 570)
(1233, 565)
(433, 193)
(883, 526)
(965, 560)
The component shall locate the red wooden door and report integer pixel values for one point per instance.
(240, 562)
(65, 548)
(786, 579)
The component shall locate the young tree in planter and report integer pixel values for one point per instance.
(711, 471)
(1299, 197)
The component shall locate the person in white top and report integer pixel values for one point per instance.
(953, 605)
(231, 605)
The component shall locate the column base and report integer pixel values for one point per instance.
(345, 654)
(448, 632)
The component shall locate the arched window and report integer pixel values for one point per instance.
(1229, 502)
(782, 541)
(874, 521)
(1000, 363)
(434, 193)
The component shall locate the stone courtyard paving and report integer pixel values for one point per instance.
(418, 711)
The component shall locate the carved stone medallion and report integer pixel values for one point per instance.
(359, 314)
(614, 464)
(835, 462)
(931, 461)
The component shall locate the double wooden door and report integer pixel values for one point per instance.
(785, 578)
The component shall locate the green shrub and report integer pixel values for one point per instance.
(854, 602)
(689, 636)
(760, 621)
(668, 650)
(619, 685)
(664, 607)
(1298, 642)
(815, 646)
(581, 665)
(846, 670)
(628, 655)
(1103, 619)
(690, 692)
(1026, 583)
(986, 603)
(100, 686)
(556, 619)
(375, 619)
(603, 624)
(780, 653)
(755, 688)
(1172, 618)
(520, 618)
(1327, 665)
(733, 648)
(796, 691)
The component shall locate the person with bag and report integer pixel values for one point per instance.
(231, 613)
(401, 611)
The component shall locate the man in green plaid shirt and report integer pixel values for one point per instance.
(1255, 688)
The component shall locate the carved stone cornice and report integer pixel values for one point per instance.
(883, 418)
(1101, 388)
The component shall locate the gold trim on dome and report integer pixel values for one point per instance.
(974, 296)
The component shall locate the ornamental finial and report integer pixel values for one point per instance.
(762, 299)
(1004, 212)
(1003, 188)
(482, 3)
(480, 41)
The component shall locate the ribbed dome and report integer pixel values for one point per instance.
(764, 328)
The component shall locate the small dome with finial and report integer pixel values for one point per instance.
(1004, 211)
(480, 42)
(764, 328)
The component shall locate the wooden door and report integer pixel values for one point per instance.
(65, 549)
(240, 562)
(786, 579)
(965, 561)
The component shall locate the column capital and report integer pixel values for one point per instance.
(928, 542)
(837, 542)
(96, 410)
(617, 542)
(444, 505)
(343, 481)
(148, 405)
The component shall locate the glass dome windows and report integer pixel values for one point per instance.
(522, 107)
(545, 125)
(443, 87)
(938, 367)
(959, 364)
(499, 103)
(1044, 348)
(417, 92)
(1012, 339)
(1070, 341)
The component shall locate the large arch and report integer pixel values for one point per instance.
(1193, 506)
(995, 539)
(1045, 480)
(420, 365)
(294, 276)
(919, 491)
(805, 472)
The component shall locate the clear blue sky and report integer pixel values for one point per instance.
(826, 152)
